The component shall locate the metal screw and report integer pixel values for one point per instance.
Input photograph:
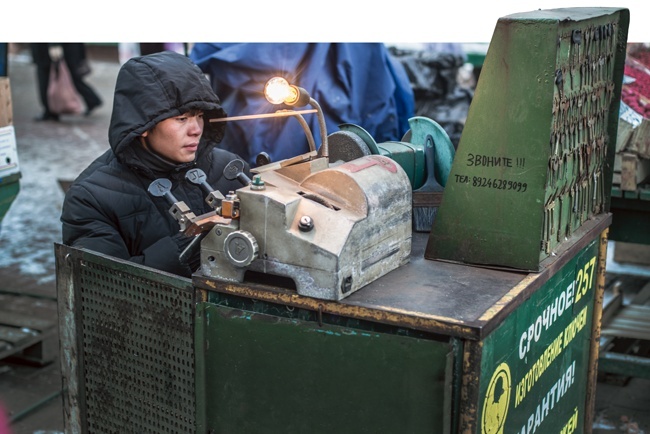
(306, 223)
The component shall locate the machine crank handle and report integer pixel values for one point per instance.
(235, 170)
(198, 177)
(161, 187)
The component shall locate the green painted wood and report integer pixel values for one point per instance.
(9, 188)
(627, 365)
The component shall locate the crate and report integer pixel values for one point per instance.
(28, 339)
(630, 171)
(535, 159)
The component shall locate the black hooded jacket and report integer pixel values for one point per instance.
(108, 208)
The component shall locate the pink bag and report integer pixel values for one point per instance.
(62, 96)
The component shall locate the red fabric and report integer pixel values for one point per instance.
(4, 421)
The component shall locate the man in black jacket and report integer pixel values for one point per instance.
(159, 129)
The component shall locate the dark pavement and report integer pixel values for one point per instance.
(53, 151)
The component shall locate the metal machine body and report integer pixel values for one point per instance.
(331, 223)
(332, 230)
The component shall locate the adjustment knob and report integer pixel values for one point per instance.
(240, 248)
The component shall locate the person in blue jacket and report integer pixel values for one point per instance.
(357, 83)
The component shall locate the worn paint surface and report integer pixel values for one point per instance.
(535, 159)
(400, 317)
(267, 373)
(360, 214)
(127, 340)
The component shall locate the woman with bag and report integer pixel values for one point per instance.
(74, 56)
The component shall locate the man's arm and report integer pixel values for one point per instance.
(86, 223)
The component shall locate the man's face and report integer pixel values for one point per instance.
(177, 138)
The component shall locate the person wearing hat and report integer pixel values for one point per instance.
(159, 128)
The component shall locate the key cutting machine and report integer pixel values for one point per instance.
(331, 227)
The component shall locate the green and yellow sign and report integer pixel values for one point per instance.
(534, 370)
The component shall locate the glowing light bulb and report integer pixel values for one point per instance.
(277, 90)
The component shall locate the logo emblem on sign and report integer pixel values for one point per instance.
(497, 399)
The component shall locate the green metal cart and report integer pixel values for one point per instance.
(434, 346)
(431, 347)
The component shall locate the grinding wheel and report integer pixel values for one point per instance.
(345, 146)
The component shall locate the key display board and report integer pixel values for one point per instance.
(535, 160)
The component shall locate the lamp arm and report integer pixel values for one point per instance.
(307, 130)
(323, 127)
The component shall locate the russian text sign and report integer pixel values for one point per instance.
(534, 369)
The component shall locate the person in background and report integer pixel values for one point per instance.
(74, 55)
(159, 128)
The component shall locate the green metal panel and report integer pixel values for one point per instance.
(260, 373)
(9, 188)
(535, 160)
(535, 365)
(126, 345)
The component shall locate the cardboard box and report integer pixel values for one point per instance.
(6, 108)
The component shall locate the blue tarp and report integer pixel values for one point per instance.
(358, 83)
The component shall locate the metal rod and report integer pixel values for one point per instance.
(278, 114)
(37, 405)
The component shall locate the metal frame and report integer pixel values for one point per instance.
(127, 353)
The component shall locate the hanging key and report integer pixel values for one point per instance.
(552, 224)
(576, 42)
(547, 237)
(544, 240)
(585, 201)
(572, 209)
(563, 171)
(561, 199)
(593, 205)
(601, 200)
